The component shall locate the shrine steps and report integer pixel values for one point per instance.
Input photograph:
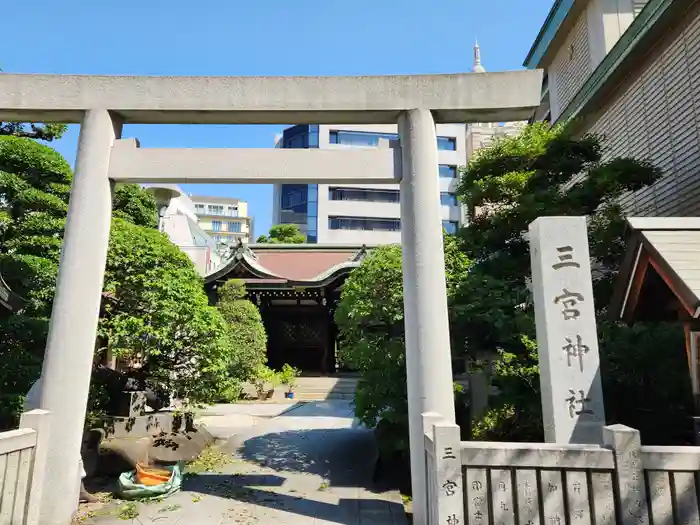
(323, 388)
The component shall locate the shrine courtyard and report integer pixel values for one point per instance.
(308, 464)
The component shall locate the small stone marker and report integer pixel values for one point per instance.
(450, 501)
(567, 339)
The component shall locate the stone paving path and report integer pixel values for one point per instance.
(308, 465)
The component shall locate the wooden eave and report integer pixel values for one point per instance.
(9, 299)
(670, 260)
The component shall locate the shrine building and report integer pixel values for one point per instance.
(297, 288)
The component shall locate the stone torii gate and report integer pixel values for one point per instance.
(102, 104)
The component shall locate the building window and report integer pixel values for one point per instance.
(450, 226)
(216, 226)
(294, 197)
(199, 208)
(313, 136)
(359, 138)
(233, 211)
(301, 136)
(215, 210)
(364, 223)
(218, 238)
(368, 138)
(448, 199)
(447, 143)
(312, 213)
(447, 172)
(362, 194)
(234, 227)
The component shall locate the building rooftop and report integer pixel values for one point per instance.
(662, 262)
(8, 298)
(214, 200)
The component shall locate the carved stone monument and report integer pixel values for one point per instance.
(567, 339)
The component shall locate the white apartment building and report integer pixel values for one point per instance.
(177, 219)
(224, 218)
(362, 214)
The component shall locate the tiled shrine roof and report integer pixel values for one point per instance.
(283, 264)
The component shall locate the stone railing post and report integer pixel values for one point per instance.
(39, 421)
(630, 490)
(446, 497)
(479, 387)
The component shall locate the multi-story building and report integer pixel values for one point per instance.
(224, 218)
(629, 70)
(370, 214)
(177, 219)
(482, 135)
(354, 213)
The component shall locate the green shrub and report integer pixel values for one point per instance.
(370, 319)
(157, 312)
(288, 376)
(247, 332)
(264, 379)
(232, 393)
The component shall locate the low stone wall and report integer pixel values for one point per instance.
(622, 482)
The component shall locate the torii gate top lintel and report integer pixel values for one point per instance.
(460, 97)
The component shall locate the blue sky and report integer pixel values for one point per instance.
(273, 37)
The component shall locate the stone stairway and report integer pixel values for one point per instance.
(323, 388)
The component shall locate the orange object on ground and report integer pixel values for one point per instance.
(150, 476)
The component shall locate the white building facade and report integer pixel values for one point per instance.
(355, 213)
(178, 220)
(226, 219)
(370, 214)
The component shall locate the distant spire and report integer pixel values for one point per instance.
(477, 67)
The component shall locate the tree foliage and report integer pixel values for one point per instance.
(132, 203)
(157, 314)
(545, 172)
(283, 234)
(154, 292)
(34, 188)
(370, 319)
(46, 132)
(248, 337)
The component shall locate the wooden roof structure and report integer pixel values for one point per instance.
(660, 276)
(9, 299)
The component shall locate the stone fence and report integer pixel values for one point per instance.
(22, 465)
(621, 482)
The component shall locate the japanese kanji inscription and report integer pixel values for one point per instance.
(572, 401)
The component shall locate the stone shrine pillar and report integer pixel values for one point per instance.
(428, 356)
(70, 346)
(567, 339)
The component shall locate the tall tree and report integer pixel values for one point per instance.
(155, 301)
(370, 318)
(156, 314)
(283, 234)
(542, 171)
(248, 338)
